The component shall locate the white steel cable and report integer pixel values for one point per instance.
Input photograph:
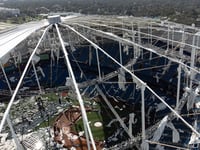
(83, 111)
(166, 145)
(36, 76)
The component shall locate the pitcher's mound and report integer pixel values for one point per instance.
(97, 124)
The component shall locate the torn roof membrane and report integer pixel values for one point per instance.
(11, 38)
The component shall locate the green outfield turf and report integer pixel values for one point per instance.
(97, 111)
(93, 117)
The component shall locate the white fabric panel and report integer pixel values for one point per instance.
(19, 58)
(41, 71)
(52, 55)
(121, 79)
(194, 139)
(5, 58)
(36, 59)
(145, 146)
(126, 50)
(175, 133)
(159, 147)
(191, 100)
(158, 133)
(175, 136)
(160, 107)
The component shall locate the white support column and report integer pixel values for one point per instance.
(143, 113)
(130, 125)
(198, 42)
(140, 51)
(4, 73)
(151, 32)
(179, 70)
(20, 81)
(148, 33)
(17, 142)
(134, 46)
(178, 86)
(90, 54)
(172, 38)
(168, 31)
(133, 39)
(36, 76)
(114, 112)
(120, 53)
(182, 45)
(193, 53)
(98, 63)
(151, 39)
(83, 111)
(131, 122)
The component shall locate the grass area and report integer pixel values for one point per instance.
(95, 116)
(51, 96)
(22, 19)
(46, 123)
(4, 25)
(97, 132)
(72, 101)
